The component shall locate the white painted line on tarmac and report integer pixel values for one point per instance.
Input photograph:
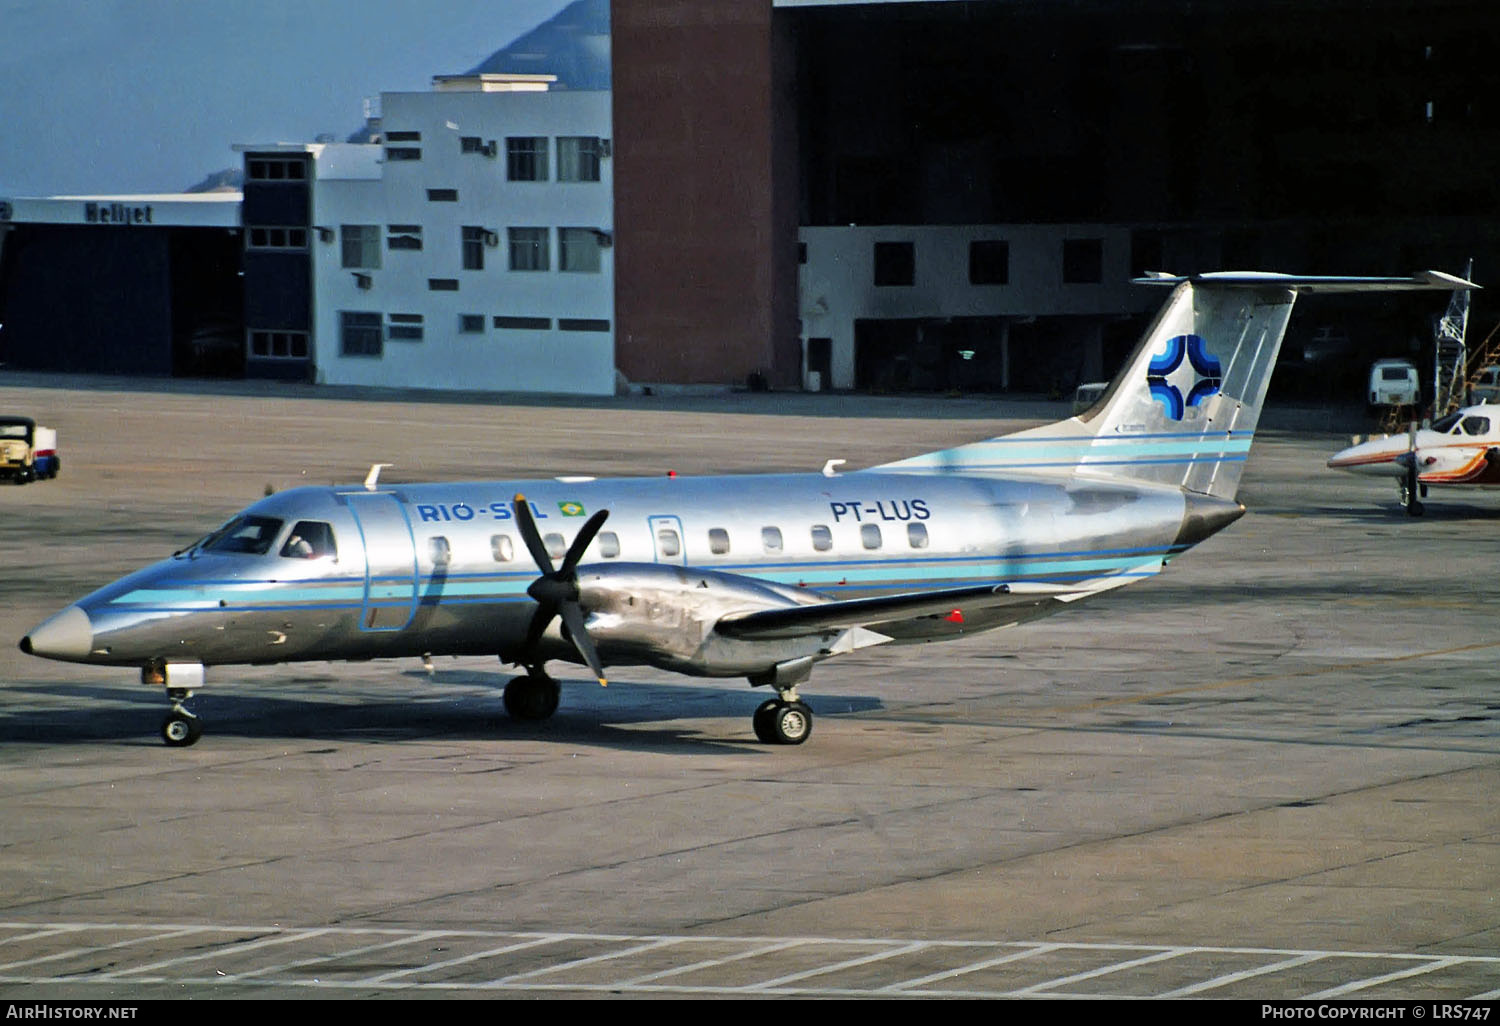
(396, 974)
(663, 942)
(96, 948)
(1280, 972)
(282, 937)
(1246, 974)
(322, 959)
(1374, 981)
(988, 963)
(711, 963)
(1160, 956)
(878, 956)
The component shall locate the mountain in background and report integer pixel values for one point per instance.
(573, 45)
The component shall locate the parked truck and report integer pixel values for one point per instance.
(27, 452)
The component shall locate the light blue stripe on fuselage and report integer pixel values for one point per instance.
(842, 575)
(1037, 453)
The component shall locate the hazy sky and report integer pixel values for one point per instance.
(149, 95)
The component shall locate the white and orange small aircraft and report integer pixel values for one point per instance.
(1462, 448)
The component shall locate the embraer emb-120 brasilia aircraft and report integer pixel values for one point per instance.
(757, 576)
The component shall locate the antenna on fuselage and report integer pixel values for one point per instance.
(373, 477)
(829, 468)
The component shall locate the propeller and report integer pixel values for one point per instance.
(556, 591)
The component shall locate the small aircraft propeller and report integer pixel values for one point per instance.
(556, 591)
(1411, 484)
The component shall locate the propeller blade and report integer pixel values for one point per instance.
(584, 539)
(572, 615)
(530, 535)
(534, 631)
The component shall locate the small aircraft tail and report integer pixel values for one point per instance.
(1183, 409)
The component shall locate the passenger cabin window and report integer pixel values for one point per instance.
(718, 541)
(869, 536)
(822, 538)
(770, 539)
(916, 535)
(439, 551)
(556, 547)
(502, 548)
(310, 539)
(250, 535)
(1476, 425)
(609, 544)
(668, 545)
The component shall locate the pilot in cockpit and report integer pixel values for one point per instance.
(310, 539)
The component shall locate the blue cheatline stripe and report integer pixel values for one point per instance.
(1092, 439)
(1085, 464)
(1061, 574)
(492, 587)
(937, 568)
(1025, 452)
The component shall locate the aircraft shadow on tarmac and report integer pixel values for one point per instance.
(456, 706)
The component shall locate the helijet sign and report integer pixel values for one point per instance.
(116, 213)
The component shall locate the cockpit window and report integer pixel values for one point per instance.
(1445, 424)
(310, 539)
(249, 534)
(1476, 425)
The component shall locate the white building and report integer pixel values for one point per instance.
(470, 248)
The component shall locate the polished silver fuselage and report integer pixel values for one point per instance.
(441, 568)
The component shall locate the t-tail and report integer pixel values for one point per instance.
(1184, 408)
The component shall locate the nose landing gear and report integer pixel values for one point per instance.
(181, 728)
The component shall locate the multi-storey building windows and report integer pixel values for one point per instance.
(403, 152)
(360, 333)
(277, 238)
(277, 169)
(278, 345)
(578, 158)
(361, 245)
(404, 236)
(895, 263)
(404, 327)
(528, 249)
(578, 250)
(526, 158)
(474, 238)
(989, 262)
(1083, 261)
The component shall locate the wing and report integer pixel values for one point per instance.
(989, 605)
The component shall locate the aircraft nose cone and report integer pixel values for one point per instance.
(68, 635)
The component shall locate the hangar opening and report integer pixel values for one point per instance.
(140, 285)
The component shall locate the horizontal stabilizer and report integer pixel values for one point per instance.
(1183, 409)
(1311, 282)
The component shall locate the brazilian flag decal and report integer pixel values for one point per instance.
(571, 509)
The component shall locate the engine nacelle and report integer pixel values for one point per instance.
(664, 616)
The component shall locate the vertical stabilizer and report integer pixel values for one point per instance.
(1183, 409)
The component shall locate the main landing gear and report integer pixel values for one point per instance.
(784, 720)
(532, 697)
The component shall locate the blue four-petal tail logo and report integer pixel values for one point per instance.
(1177, 388)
